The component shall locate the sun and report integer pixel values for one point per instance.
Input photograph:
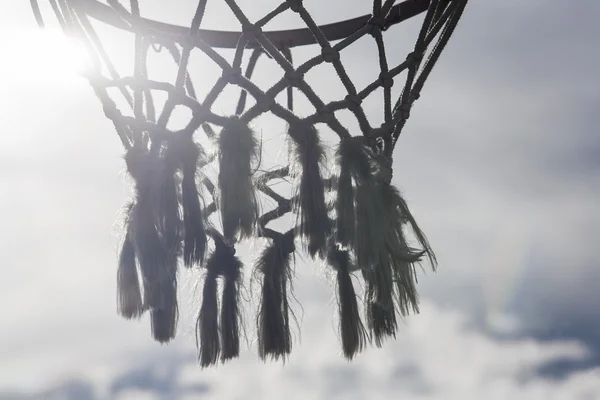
(44, 57)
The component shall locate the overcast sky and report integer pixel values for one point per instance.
(499, 162)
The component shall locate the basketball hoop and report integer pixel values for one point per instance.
(170, 218)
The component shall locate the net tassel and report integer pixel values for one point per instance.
(188, 153)
(195, 237)
(207, 326)
(405, 216)
(372, 218)
(364, 203)
(163, 320)
(155, 237)
(231, 314)
(352, 330)
(219, 335)
(394, 276)
(273, 322)
(380, 308)
(345, 222)
(391, 284)
(129, 298)
(238, 203)
(164, 317)
(400, 257)
(402, 264)
(310, 201)
(353, 165)
(378, 242)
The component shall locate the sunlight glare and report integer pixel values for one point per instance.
(43, 57)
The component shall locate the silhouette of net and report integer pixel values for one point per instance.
(147, 126)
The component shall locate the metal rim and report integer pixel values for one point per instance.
(291, 38)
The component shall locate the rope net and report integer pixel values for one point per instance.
(347, 213)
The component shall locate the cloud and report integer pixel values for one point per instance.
(438, 355)
(498, 162)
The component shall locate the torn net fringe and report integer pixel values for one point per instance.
(165, 222)
(273, 319)
(218, 332)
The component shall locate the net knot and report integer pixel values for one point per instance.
(177, 95)
(330, 54)
(199, 114)
(295, 5)
(251, 31)
(265, 103)
(232, 75)
(386, 79)
(354, 102)
(377, 24)
(404, 109)
(294, 77)
(325, 114)
(111, 111)
(413, 57)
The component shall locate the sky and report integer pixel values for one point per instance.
(499, 163)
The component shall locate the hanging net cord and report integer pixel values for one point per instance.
(147, 125)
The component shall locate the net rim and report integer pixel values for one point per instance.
(230, 39)
(440, 20)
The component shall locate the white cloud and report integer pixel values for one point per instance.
(489, 162)
(438, 355)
